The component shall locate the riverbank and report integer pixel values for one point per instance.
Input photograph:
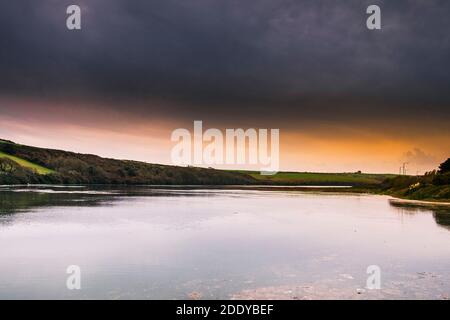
(420, 203)
(20, 164)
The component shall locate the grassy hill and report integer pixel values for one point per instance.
(25, 164)
(433, 186)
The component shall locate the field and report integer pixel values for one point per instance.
(311, 178)
(27, 164)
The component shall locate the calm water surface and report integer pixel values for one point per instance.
(155, 243)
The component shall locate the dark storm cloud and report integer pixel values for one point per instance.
(213, 58)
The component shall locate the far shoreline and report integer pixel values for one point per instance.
(330, 189)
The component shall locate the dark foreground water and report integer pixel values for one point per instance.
(153, 243)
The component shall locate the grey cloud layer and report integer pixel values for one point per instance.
(264, 58)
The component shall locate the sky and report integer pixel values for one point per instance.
(345, 98)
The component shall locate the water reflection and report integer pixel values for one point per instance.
(23, 198)
(441, 214)
(175, 243)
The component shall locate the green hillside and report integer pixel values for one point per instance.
(27, 164)
(21, 164)
(433, 186)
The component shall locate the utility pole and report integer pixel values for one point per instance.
(404, 167)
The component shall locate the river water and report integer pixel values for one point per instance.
(206, 243)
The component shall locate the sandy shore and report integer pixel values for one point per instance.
(419, 202)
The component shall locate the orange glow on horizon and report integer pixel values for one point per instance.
(321, 147)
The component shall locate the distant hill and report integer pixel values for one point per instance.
(21, 164)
